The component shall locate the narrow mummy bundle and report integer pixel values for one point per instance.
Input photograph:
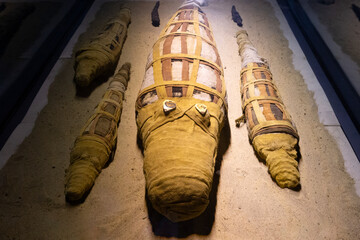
(102, 53)
(97, 141)
(180, 112)
(271, 129)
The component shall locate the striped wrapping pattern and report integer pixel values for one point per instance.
(103, 124)
(184, 62)
(263, 108)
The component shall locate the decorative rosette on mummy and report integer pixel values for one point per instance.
(100, 55)
(271, 129)
(180, 112)
(97, 141)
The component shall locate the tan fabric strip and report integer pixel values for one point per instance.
(189, 56)
(191, 21)
(269, 124)
(251, 91)
(249, 117)
(196, 62)
(257, 74)
(218, 59)
(205, 19)
(157, 66)
(196, 85)
(259, 115)
(169, 91)
(166, 63)
(158, 76)
(250, 68)
(207, 29)
(267, 112)
(184, 49)
(223, 86)
(91, 128)
(243, 82)
(187, 33)
(262, 89)
(272, 90)
(269, 82)
(218, 81)
(266, 99)
(185, 70)
(169, 24)
(166, 70)
(250, 84)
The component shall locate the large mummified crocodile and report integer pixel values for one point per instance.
(102, 53)
(180, 112)
(94, 147)
(11, 17)
(271, 130)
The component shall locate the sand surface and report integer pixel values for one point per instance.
(245, 202)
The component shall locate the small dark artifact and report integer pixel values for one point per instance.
(236, 16)
(356, 10)
(155, 19)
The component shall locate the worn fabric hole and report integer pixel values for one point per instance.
(115, 97)
(103, 126)
(110, 108)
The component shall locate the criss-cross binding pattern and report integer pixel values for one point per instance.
(185, 48)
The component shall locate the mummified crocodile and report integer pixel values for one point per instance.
(271, 130)
(101, 54)
(97, 141)
(180, 112)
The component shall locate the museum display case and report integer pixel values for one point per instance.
(168, 157)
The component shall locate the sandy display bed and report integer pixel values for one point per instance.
(245, 202)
